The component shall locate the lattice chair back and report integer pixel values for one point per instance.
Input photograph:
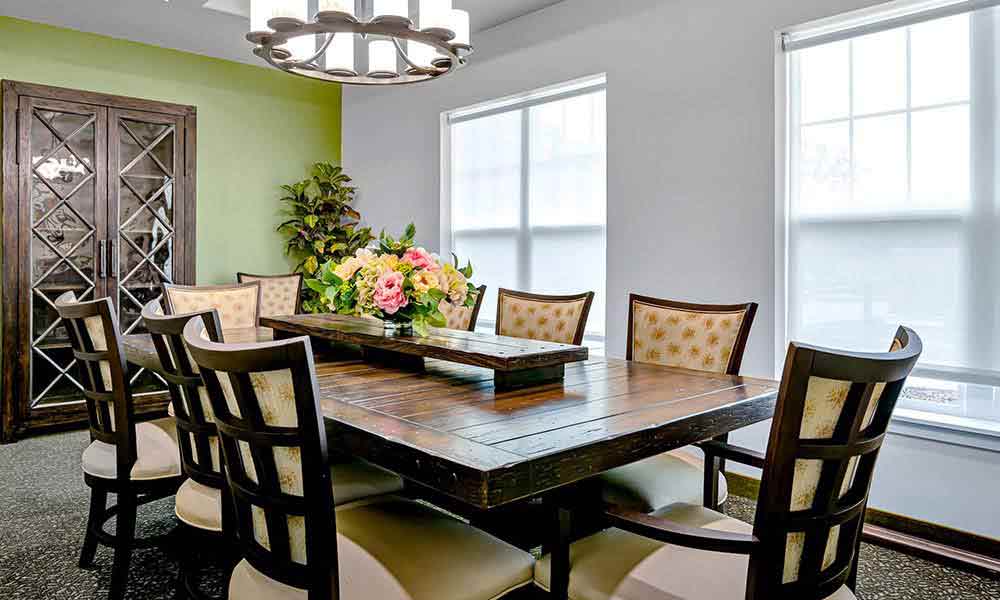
(558, 319)
(463, 318)
(238, 304)
(704, 337)
(265, 400)
(93, 333)
(280, 295)
(832, 413)
(197, 435)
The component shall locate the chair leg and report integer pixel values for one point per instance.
(95, 521)
(713, 466)
(124, 539)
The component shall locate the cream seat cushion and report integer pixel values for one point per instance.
(659, 481)
(616, 564)
(394, 548)
(157, 455)
(200, 506)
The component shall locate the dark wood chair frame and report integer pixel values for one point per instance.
(183, 382)
(169, 307)
(474, 318)
(298, 294)
(105, 407)
(714, 464)
(237, 361)
(766, 546)
(581, 327)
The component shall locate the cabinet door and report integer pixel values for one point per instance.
(146, 153)
(62, 210)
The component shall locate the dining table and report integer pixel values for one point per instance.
(448, 428)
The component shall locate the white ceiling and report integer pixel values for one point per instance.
(209, 27)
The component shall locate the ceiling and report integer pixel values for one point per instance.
(209, 27)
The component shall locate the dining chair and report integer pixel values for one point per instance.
(138, 462)
(238, 305)
(280, 295)
(295, 543)
(463, 318)
(559, 319)
(701, 337)
(202, 503)
(830, 420)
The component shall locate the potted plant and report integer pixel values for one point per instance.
(323, 226)
(399, 283)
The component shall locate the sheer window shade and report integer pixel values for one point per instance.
(893, 214)
(528, 194)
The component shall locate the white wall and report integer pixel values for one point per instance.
(690, 178)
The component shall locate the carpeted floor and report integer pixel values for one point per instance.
(43, 503)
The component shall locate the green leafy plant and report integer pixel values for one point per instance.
(323, 226)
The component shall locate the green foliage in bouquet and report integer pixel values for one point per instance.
(323, 226)
(397, 282)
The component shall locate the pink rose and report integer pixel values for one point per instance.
(421, 259)
(389, 293)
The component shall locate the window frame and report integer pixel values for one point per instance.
(522, 232)
(945, 426)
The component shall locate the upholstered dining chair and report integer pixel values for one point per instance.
(296, 544)
(202, 504)
(280, 295)
(559, 319)
(238, 304)
(832, 413)
(463, 318)
(702, 337)
(138, 462)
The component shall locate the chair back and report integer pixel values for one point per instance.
(463, 318)
(704, 337)
(93, 333)
(238, 305)
(265, 400)
(197, 435)
(832, 413)
(558, 319)
(280, 295)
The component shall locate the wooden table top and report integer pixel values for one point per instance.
(448, 428)
(467, 347)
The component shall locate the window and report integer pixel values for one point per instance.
(891, 209)
(527, 194)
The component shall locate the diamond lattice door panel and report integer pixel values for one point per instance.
(147, 153)
(98, 200)
(62, 177)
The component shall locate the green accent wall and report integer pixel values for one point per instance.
(257, 128)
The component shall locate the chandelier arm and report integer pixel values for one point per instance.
(406, 58)
(322, 50)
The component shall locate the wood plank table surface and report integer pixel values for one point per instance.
(515, 361)
(448, 428)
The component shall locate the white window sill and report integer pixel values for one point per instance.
(948, 429)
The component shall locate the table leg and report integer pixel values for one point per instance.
(713, 466)
(559, 564)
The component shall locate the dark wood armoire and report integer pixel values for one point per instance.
(98, 199)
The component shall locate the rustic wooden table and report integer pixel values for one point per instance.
(448, 428)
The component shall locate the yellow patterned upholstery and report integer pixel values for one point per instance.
(458, 317)
(278, 295)
(550, 320)
(684, 338)
(237, 305)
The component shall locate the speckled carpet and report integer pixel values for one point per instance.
(43, 506)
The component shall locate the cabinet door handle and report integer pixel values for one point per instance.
(102, 260)
(111, 258)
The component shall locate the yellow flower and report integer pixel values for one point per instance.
(348, 268)
(424, 281)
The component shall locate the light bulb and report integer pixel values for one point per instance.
(382, 59)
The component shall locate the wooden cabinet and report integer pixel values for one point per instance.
(98, 199)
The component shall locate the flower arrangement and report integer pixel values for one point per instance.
(398, 283)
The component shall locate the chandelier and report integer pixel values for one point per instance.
(361, 42)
